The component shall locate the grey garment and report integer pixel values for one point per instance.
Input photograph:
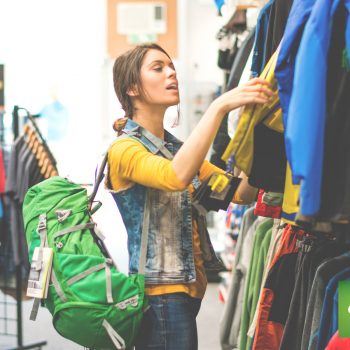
(240, 61)
(11, 188)
(22, 166)
(231, 318)
(24, 155)
(314, 308)
(11, 177)
(29, 171)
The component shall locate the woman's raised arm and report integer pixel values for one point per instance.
(191, 155)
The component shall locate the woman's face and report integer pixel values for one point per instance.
(158, 78)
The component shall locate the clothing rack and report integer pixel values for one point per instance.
(8, 305)
(31, 118)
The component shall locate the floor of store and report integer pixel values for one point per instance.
(208, 326)
(208, 320)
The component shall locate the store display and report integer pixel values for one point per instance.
(295, 151)
(283, 255)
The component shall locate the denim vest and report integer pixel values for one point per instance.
(169, 249)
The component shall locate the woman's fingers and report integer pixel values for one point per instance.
(256, 81)
(255, 91)
(254, 97)
(258, 88)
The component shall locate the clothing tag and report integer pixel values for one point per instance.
(218, 182)
(344, 309)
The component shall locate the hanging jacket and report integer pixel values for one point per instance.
(258, 142)
(284, 72)
(278, 17)
(259, 54)
(240, 61)
(305, 131)
(335, 188)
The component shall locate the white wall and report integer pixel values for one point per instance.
(56, 48)
(200, 57)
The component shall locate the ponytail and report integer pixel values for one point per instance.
(119, 125)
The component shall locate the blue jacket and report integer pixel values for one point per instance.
(307, 109)
(259, 55)
(284, 71)
(169, 250)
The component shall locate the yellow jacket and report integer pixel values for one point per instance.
(242, 144)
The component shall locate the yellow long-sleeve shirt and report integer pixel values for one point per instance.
(130, 162)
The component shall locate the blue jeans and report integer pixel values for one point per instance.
(170, 323)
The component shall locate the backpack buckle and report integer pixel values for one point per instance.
(109, 261)
(42, 222)
(62, 214)
(59, 245)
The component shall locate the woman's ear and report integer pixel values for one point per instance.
(133, 91)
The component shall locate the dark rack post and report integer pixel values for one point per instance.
(15, 118)
(15, 122)
(19, 305)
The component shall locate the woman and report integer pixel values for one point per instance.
(152, 175)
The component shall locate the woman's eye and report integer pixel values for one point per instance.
(157, 69)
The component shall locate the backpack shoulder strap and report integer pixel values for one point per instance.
(100, 174)
(99, 179)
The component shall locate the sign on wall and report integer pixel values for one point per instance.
(141, 18)
(135, 22)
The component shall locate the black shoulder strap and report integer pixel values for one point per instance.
(99, 179)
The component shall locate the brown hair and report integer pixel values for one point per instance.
(126, 76)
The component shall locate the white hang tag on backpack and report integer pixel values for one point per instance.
(39, 279)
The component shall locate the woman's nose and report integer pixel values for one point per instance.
(171, 72)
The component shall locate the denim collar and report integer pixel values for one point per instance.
(133, 127)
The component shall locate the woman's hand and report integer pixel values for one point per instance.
(254, 91)
(245, 194)
(190, 156)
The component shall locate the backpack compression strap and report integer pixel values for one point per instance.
(117, 340)
(107, 266)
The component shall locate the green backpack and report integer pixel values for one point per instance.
(92, 303)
